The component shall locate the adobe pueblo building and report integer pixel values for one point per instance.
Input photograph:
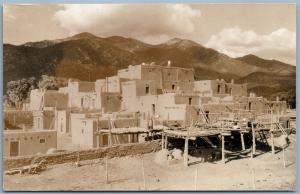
(144, 102)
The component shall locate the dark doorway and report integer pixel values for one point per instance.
(14, 148)
(173, 86)
(190, 101)
(153, 109)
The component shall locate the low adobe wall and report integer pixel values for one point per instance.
(71, 156)
(17, 117)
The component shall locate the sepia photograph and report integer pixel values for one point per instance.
(149, 97)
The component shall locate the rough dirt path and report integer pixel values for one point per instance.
(126, 174)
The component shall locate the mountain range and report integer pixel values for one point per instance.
(87, 57)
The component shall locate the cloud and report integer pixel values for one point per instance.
(279, 44)
(146, 22)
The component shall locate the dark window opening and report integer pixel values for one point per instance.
(250, 105)
(173, 86)
(207, 114)
(42, 140)
(226, 89)
(147, 89)
(153, 109)
(14, 148)
(190, 101)
(219, 88)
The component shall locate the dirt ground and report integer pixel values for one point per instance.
(264, 172)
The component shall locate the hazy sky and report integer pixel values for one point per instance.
(266, 30)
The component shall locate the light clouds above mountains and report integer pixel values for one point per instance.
(265, 30)
(236, 43)
(146, 22)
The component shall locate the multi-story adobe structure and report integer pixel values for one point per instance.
(155, 94)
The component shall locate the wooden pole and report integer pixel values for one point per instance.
(196, 178)
(166, 142)
(253, 139)
(106, 170)
(243, 141)
(144, 178)
(272, 143)
(272, 134)
(162, 141)
(110, 136)
(283, 157)
(186, 147)
(223, 148)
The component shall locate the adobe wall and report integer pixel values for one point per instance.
(50, 98)
(83, 133)
(66, 157)
(110, 84)
(18, 118)
(111, 102)
(35, 102)
(43, 119)
(152, 72)
(29, 141)
(132, 72)
(220, 88)
(75, 120)
(55, 99)
(184, 99)
(62, 121)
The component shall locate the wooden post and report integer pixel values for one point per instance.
(253, 139)
(242, 139)
(186, 148)
(106, 170)
(223, 148)
(272, 134)
(162, 141)
(196, 179)
(283, 157)
(166, 142)
(143, 170)
(14, 118)
(272, 143)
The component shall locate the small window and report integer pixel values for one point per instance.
(190, 101)
(147, 89)
(169, 73)
(219, 88)
(173, 86)
(42, 141)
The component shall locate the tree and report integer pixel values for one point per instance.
(19, 91)
(48, 83)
